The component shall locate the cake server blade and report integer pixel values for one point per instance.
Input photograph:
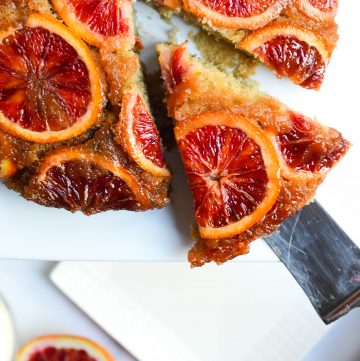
(322, 258)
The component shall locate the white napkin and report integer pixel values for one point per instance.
(169, 312)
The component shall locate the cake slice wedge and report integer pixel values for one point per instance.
(251, 161)
(294, 38)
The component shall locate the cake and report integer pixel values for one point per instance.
(251, 161)
(76, 130)
(294, 38)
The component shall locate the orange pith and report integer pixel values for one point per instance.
(238, 14)
(291, 52)
(62, 347)
(137, 132)
(100, 23)
(233, 172)
(82, 180)
(50, 88)
(321, 10)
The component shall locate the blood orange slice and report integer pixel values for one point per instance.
(137, 132)
(232, 169)
(50, 88)
(99, 22)
(7, 168)
(85, 181)
(305, 146)
(179, 74)
(322, 10)
(61, 348)
(291, 52)
(237, 14)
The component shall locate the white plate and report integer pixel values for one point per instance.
(31, 231)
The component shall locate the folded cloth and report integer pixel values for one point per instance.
(167, 311)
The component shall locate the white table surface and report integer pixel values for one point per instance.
(39, 308)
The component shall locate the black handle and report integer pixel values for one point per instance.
(322, 258)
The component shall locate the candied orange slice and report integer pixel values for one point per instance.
(291, 52)
(60, 348)
(305, 146)
(238, 14)
(179, 76)
(232, 169)
(322, 10)
(50, 88)
(137, 132)
(7, 168)
(99, 22)
(79, 180)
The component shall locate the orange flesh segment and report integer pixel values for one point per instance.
(324, 5)
(87, 182)
(59, 354)
(92, 13)
(239, 8)
(303, 150)
(146, 133)
(137, 133)
(100, 22)
(293, 58)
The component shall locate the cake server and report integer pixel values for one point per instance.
(322, 258)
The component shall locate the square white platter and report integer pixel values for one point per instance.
(29, 231)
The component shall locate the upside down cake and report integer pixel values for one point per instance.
(251, 161)
(76, 130)
(294, 38)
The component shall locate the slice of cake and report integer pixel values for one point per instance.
(250, 160)
(294, 38)
(76, 131)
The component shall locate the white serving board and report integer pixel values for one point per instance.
(30, 231)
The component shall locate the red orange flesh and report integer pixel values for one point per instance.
(232, 171)
(50, 89)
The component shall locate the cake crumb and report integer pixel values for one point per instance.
(246, 67)
(223, 55)
(172, 34)
(41, 6)
(12, 13)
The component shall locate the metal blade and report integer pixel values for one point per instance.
(322, 258)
